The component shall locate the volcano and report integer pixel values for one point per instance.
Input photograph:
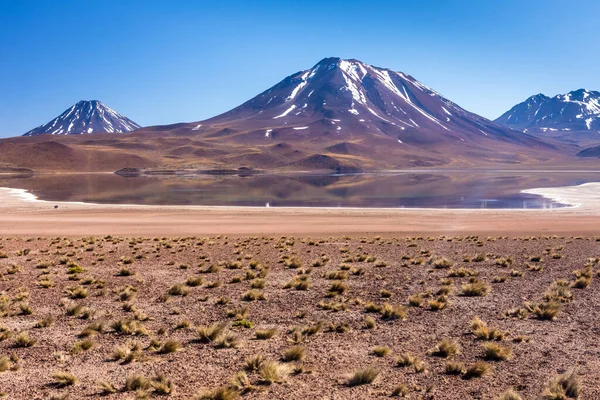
(86, 117)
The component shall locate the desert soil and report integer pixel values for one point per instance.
(106, 280)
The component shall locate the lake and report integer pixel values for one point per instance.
(408, 189)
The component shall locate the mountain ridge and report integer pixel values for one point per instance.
(578, 110)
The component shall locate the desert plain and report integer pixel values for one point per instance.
(221, 302)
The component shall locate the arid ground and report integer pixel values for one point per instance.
(218, 303)
(296, 317)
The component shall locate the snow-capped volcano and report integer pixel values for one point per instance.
(578, 110)
(348, 97)
(86, 117)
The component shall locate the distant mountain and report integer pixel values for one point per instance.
(576, 111)
(86, 117)
(345, 113)
(343, 98)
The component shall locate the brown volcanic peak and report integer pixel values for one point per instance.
(343, 98)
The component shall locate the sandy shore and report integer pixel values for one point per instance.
(23, 214)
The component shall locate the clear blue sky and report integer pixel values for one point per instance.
(161, 62)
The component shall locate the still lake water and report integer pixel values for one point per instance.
(436, 189)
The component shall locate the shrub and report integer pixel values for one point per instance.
(23, 340)
(442, 263)
(381, 351)
(221, 393)
(438, 304)
(445, 348)
(208, 334)
(227, 341)
(509, 395)
(338, 287)
(194, 281)
(415, 300)
(129, 327)
(370, 323)
(363, 376)
(295, 353)
(495, 352)
(162, 385)
(547, 310)
(83, 345)
(263, 334)
(475, 288)
(273, 372)
(254, 363)
(127, 352)
(389, 312)
(137, 382)
(178, 290)
(400, 391)
(125, 272)
(481, 330)
(476, 370)
(170, 346)
(455, 368)
(63, 379)
(253, 295)
(565, 386)
(77, 292)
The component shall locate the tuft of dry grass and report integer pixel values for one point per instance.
(170, 346)
(253, 363)
(509, 395)
(220, 393)
(178, 290)
(295, 353)
(264, 334)
(23, 340)
(83, 345)
(445, 348)
(381, 351)
(480, 329)
(477, 370)
(228, 341)
(496, 352)
(455, 368)
(207, 334)
(390, 312)
(370, 323)
(442, 263)
(475, 288)
(565, 386)
(137, 383)
(400, 390)
(547, 310)
(63, 379)
(273, 372)
(363, 376)
(107, 388)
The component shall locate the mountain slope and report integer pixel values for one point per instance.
(86, 117)
(578, 110)
(347, 97)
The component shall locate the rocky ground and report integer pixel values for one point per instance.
(300, 318)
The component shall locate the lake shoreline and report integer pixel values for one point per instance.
(22, 214)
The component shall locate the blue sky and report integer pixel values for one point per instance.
(161, 62)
